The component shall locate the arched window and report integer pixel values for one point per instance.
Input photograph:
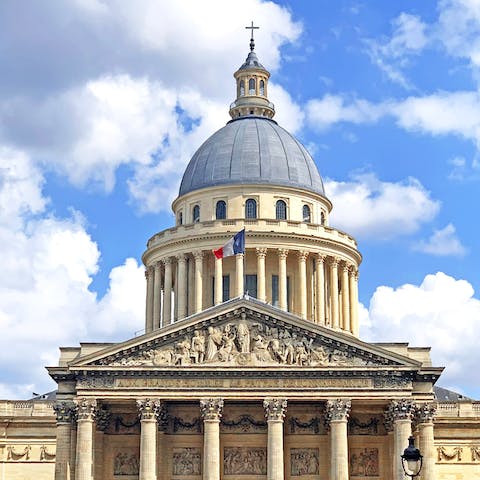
(180, 218)
(306, 214)
(221, 210)
(251, 208)
(322, 218)
(281, 210)
(196, 214)
(262, 87)
(251, 86)
(242, 88)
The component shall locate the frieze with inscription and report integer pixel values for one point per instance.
(244, 342)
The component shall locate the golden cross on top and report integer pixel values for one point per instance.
(252, 28)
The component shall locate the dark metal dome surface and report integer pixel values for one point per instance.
(252, 150)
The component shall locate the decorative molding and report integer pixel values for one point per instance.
(475, 453)
(45, 455)
(313, 425)
(454, 454)
(356, 427)
(246, 423)
(337, 410)
(211, 408)
(163, 418)
(12, 455)
(103, 417)
(120, 425)
(180, 425)
(275, 408)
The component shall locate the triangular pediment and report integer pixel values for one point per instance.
(243, 333)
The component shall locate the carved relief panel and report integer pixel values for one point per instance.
(364, 462)
(126, 462)
(186, 461)
(304, 461)
(244, 461)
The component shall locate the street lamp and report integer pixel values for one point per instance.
(412, 459)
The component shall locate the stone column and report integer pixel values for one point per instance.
(261, 280)
(84, 457)
(191, 287)
(400, 413)
(63, 411)
(157, 293)
(337, 412)
(320, 289)
(354, 302)
(425, 414)
(167, 293)
(345, 298)
(211, 410)
(282, 278)
(198, 280)
(148, 438)
(275, 409)
(102, 420)
(302, 283)
(334, 291)
(73, 443)
(239, 269)
(182, 286)
(149, 276)
(218, 280)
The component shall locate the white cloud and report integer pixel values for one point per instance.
(48, 264)
(393, 55)
(331, 109)
(441, 312)
(443, 242)
(370, 208)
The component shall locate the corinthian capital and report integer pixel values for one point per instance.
(425, 412)
(198, 255)
(211, 408)
(148, 409)
(275, 408)
(261, 252)
(86, 409)
(337, 410)
(400, 410)
(64, 411)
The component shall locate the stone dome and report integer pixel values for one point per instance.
(252, 150)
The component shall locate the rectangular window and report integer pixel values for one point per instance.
(251, 285)
(225, 289)
(275, 292)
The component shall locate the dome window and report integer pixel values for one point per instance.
(180, 218)
(322, 218)
(262, 87)
(251, 86)
(221, 210)
(251, 208)
(196, 214)
(306, 214)
(242, 88)
(281, 210)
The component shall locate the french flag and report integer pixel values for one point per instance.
(235, 245)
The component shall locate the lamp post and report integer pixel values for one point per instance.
(412, 459)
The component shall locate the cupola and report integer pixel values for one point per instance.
(252, 83)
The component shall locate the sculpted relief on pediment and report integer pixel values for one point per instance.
(244, 342)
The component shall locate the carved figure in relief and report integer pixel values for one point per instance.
(304, 461)
(198, 347)
(214, 340)
(243, 336)
(243, 343)
(364, 462)
(125, 463)
(245, 461)
(186, 461)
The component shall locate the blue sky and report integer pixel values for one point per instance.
(102, 103)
